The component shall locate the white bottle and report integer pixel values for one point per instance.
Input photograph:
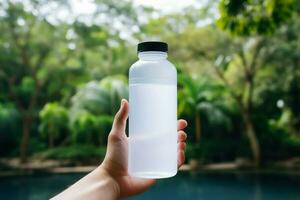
(152, 113)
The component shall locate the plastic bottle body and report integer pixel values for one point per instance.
(152, 117)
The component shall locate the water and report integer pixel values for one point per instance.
(152, 130)
(206, 186)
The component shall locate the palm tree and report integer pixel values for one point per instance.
(199, 99)
(102, 97)
(94, 105)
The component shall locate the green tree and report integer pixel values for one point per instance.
(101, 97)
(54, 121)
(27, 46)
(248, 17)
(285, 60)
(200, 99)
(88, 128)
(8, 128)
(43, 61)
(93, 107)
(243, 64)
(253, 19)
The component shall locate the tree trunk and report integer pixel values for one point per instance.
(26, 125)
(251, 134)
(51, 140)
(198, 127)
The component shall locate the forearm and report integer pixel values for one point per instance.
(96, 185)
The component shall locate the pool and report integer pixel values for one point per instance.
(231, 186)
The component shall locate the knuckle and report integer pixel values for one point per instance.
(114, 137)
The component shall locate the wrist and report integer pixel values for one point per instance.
(110, 182)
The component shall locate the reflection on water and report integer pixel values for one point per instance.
(183, 186)
(226, 186)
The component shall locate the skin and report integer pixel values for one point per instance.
(111, 180)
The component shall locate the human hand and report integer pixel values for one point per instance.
(116, 160)
(111, 180)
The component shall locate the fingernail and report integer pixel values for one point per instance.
(122, 102)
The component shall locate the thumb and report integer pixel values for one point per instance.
(121, 116)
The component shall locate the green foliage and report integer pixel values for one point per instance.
(200, 96)
(83, 66)
(212, 150)
(27, 85)
(117, 89)
(278, 143)
(54, 121)
(92, 109)
(216, 150)
(101, 97)
(247, 17)
(90, 129)
(79, 153)
(9, 132)
(196, 91)
(8, 116)
(192, 151)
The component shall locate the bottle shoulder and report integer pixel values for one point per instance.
(162, 66)
(153, 70)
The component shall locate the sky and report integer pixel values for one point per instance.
(84, 9)
(86, 6)
(165, 5)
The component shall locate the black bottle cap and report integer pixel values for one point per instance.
(152, 46)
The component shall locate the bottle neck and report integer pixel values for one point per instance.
(152, 55)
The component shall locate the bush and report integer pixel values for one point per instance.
(54, 122)
(278, 144)
(9, 118)
(192, 151)
(105, 123)
(90, 129)
(92, 109)
(212, 150)
(79, 153)
(101, 98)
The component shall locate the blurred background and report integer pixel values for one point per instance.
(64, 69)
